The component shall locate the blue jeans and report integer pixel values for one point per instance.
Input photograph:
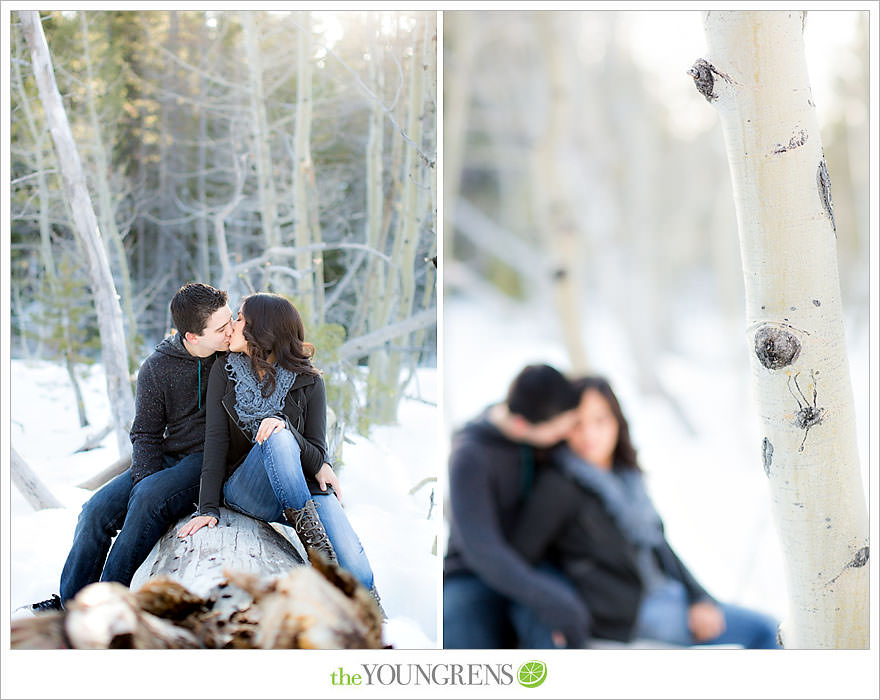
(663, 616)
(478, 617)
(140, 514)
(271, 479)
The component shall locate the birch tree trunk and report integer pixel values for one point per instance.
(309, 264)
(375, 196)
(457, 89)
(168, 238)
(106, 205)
(556, 219)
(46, 254)
(113, 347)
(29, 484)
(203, 264)
(413, 208)
(260, 129)
(800, 373)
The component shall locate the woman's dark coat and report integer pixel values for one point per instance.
(227, 444)
(570, 526)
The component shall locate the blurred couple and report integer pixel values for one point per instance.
(554, 541)
(228, 411)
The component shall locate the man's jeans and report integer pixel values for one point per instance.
(477, 617)
(271, 479)
(140, 514)
(663, 616)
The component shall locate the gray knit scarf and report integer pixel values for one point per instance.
(622, 492)
(250, 404)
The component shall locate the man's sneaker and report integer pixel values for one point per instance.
(53, 603)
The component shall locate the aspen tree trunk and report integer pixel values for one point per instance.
(29, 484)
(381, 309)
(431, 49)
(413, 208)
(203, 264)
(226, 273)
(556, 220)
(167, 231)
(106, 207)
(114, 353)
(456, 106)
(309, 264)
(260, 129)
(757, 78)
(374, 187)
(375, 309)
(46, 254)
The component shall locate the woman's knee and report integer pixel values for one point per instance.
(282, 443)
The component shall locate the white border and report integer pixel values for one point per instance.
(571, 674)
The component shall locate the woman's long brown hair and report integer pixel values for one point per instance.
(624, 452)
(274, 328)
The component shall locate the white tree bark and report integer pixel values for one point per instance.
(757, 77)
(260, 129)
(29, 484)
(113, 347)
(106, 203)
(374, 231)
(554, 212)
(414, 206)
(310, 287)
(458, 66)
(238, 543)
(46, 253)
(95, 482)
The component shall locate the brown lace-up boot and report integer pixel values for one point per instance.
(311, 532)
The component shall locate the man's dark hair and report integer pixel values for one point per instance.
(539, 393)
(193, 305)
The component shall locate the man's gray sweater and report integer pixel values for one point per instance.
(169, 416)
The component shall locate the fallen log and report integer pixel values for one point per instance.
(316, 607)
(29, 484)
(101, 478)
(241, 584)
(237, 543)
(95, 439)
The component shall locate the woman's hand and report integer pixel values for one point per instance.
(267, 427)
(196, 524)
(326, 476)
(705, 621)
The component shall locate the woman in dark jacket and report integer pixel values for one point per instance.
(592, 517)
(265, 450)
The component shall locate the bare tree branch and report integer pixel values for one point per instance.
(353, 349)
(29, 485)
(97, 481)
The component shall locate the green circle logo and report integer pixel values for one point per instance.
(532, 673)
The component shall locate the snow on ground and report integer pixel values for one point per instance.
(709, 488)
(378, 472)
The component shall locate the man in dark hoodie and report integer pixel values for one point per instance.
(492, 597)
(167, 439)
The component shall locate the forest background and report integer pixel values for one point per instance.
(281, 151)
